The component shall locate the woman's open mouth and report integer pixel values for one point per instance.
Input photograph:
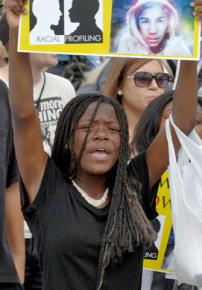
(100, 154)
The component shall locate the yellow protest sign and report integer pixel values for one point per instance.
(142, 28)
(158, 257)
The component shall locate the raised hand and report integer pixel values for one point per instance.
(14, 8)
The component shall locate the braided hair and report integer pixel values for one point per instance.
(127, 225)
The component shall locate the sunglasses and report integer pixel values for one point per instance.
(143, 79)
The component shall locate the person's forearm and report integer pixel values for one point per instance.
(20, 80)
(184, 103)
(26, 126)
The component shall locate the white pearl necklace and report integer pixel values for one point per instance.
(94, 202)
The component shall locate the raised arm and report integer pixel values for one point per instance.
(27, 134)
(184, 116)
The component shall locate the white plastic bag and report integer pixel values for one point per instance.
(185, 179)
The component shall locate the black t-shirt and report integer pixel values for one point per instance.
(68, 233)
(8, 175)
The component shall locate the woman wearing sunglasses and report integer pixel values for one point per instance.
(151, 29)
(135, 83)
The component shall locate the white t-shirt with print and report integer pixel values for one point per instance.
(57, 92)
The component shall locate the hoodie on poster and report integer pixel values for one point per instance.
(151, 27)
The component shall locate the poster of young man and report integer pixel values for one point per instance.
(158, 27)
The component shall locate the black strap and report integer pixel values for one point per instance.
(41, 92)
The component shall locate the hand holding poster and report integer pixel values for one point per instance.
(141, 28)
